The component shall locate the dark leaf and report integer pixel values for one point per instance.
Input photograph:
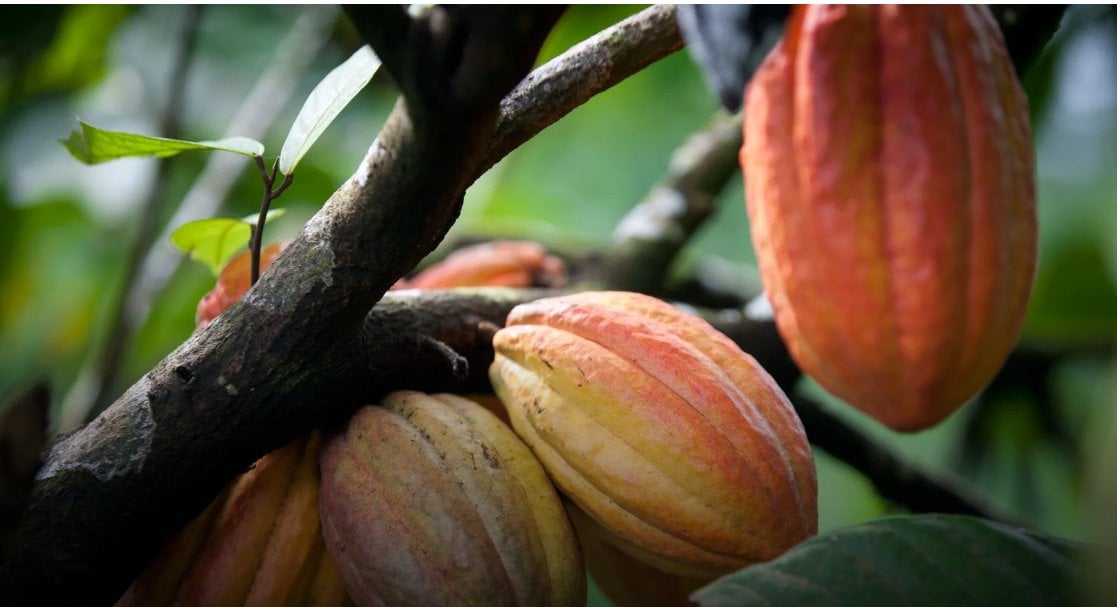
(729, 42)
(926, 560)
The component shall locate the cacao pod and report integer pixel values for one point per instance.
(627, 581)
(660, 428)
(500, 263)
(889, 170)
(233, 282)
(259, 543)
(432, 500)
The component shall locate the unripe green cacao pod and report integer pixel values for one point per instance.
(658, 427)
(259, 543)
(889, 173)
(432, 500)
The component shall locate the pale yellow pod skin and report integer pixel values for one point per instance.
(565, 567)
(659, 428)
(421, 505)
(626, 580)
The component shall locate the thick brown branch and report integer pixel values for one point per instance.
(455, 59)
(460, 320)
(256, 376)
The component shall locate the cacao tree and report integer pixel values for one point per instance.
(770, 399)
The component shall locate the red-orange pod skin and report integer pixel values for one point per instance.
(890, 186)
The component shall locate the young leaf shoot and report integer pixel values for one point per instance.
(324, 103)
(214, 240)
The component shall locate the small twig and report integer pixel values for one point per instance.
(293, 54)
(653, 233)
(270, 194)
(458, 364)
(894, 478)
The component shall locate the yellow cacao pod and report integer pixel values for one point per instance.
(660, 428)
(259, 543)
(889, 169)
(432, 500)
(627, 581)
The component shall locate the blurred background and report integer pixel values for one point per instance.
(73, 237)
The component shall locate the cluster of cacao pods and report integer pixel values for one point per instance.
(436, 499)
(892, 208)
(676, 456)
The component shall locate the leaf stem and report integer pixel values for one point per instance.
(270, 193)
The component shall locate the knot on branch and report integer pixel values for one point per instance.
(458, 364)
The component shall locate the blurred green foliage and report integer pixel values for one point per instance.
(65, 227)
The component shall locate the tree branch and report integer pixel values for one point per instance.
(569, 80)
(653, 233)
(387, 28)
(895, 478)
(256, 377)
(448, 58)
(90, 394)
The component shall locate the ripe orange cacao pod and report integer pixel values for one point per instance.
(432, 500)
(259, 543)
(889, 168)
(233, 282)
(500, 263)
(658, 427)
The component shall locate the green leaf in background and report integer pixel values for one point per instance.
(92, 145)
(213, 241)
(325, 102)
(927, 560)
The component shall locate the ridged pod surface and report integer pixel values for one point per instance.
(432, 500)
(889, 168)
(499, 263)
(626, 580)
(658, 427)
(259, 543)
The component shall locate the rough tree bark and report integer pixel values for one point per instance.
(292, 352)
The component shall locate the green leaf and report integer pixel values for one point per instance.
(92, 145)
(324, 103)
(918, 560)
(213, 241)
